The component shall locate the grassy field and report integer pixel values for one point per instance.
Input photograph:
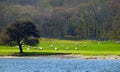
(85, 47)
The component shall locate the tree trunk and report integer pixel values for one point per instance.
(20, 47)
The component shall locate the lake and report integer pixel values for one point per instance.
(39, 64)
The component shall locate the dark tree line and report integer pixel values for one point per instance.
(82, 19)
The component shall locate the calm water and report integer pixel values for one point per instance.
(58, 65)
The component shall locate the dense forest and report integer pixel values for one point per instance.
(80, 19)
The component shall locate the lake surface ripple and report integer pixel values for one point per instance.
(58, 65)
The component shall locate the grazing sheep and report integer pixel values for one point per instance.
(41, 48)
(28, 48)
(56, 48)
(52, 45)
(76, 48)
(67, 48)
(118, 42)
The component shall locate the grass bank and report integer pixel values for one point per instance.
(48, 46)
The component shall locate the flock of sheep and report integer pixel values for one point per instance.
(55, 48)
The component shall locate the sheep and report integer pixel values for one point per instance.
(41, 48)
(118, 42)
(28, 48)
(51, 45)
(76, 48)
(67, 48)
(56, 48)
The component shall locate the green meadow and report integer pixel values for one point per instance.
(56, 46)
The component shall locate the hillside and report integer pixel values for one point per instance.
(82, 19)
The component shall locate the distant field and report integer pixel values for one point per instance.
(86, 47)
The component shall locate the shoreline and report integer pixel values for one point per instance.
(67, 56)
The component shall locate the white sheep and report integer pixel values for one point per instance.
(28, 48)
(76, 48)
(41, 48)
(56, 48)
(51, 45)
(67, 48)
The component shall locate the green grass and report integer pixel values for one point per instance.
(92, 48)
